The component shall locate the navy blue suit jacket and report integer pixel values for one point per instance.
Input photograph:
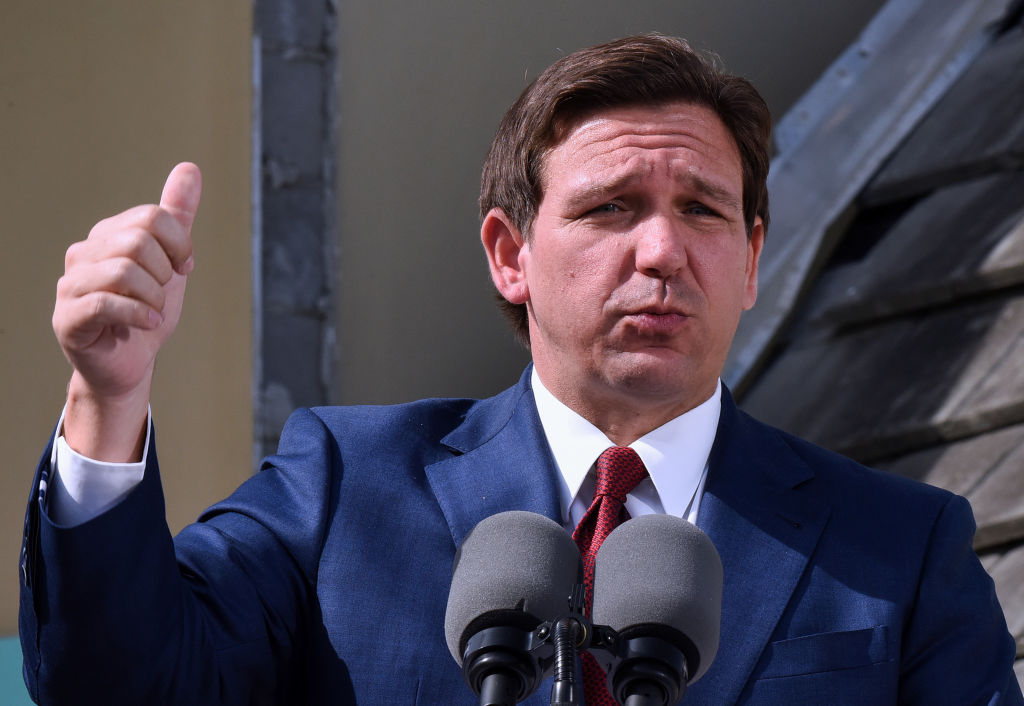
(324, 578)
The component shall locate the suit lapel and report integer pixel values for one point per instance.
(503, 463)
(764, 513)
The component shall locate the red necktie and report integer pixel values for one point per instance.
(619, 470)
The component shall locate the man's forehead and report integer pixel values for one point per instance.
(618, 145)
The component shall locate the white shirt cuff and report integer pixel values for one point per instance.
(82, 488)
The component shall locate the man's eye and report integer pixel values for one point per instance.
(699, 209)
(606, 208)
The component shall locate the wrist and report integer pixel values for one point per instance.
(106, 427)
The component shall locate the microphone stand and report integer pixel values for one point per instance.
(567, 637)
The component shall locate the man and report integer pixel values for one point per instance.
(624, 212)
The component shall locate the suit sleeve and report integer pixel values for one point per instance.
(957, 649)
(114, 611)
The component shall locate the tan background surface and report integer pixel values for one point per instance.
(98, 100)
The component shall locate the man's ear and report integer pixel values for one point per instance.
(504, 244)
(754, 245)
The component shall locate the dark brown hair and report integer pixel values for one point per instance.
(649, 69)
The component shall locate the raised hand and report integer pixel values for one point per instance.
(119, 300)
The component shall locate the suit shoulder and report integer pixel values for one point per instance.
(429, 419)
(845, 475)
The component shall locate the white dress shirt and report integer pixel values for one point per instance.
(675, 454)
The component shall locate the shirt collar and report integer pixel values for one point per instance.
(675, 454)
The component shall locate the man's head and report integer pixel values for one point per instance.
(624, 213)
(648, 70)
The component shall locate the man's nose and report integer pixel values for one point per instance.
(660, 247)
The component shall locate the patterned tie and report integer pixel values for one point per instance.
(619, 470)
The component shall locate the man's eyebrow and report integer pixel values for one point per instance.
(592, 191)
(713, 191)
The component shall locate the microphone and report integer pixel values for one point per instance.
(513, 571)
(658, 584)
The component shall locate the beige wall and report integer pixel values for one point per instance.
(423, 86)
(97, 101)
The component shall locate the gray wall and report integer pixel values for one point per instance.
(423, 86)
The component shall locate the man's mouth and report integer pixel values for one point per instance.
(657, 321)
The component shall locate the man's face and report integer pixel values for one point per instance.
(638, 264)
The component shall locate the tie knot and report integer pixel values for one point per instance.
(619, 470)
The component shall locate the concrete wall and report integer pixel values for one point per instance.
(423, 86)
(98, 100)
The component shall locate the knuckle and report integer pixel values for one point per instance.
(131, 243)
(63, 287)
(72, 255)
(150, 217)
(99, 229)
(118, 270)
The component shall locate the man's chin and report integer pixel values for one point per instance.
(659, 374)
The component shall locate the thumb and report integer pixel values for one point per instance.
(181, 193)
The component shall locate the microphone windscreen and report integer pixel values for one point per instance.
(515, 568)
(660, 570)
